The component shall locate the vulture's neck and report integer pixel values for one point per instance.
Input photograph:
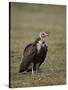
(40, 44)
(39, 39)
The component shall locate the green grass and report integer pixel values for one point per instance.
(27, 20)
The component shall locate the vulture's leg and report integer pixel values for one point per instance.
(32, 68)
(37, 67)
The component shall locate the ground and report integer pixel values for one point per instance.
(26, 22)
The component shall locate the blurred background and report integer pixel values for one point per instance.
(26, 22)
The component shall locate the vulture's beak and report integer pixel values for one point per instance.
(46, 34)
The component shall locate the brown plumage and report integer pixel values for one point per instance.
(35, 54)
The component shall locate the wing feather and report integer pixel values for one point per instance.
(28, 57)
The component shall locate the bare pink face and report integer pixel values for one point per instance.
(43, 34)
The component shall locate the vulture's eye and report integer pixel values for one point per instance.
(42, 33)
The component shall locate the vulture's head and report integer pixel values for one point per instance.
(43, 35)
(41, 39)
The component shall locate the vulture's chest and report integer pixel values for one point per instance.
(39, 47)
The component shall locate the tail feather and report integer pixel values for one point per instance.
(24, 65)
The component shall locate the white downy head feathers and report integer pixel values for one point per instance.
(42, 35)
